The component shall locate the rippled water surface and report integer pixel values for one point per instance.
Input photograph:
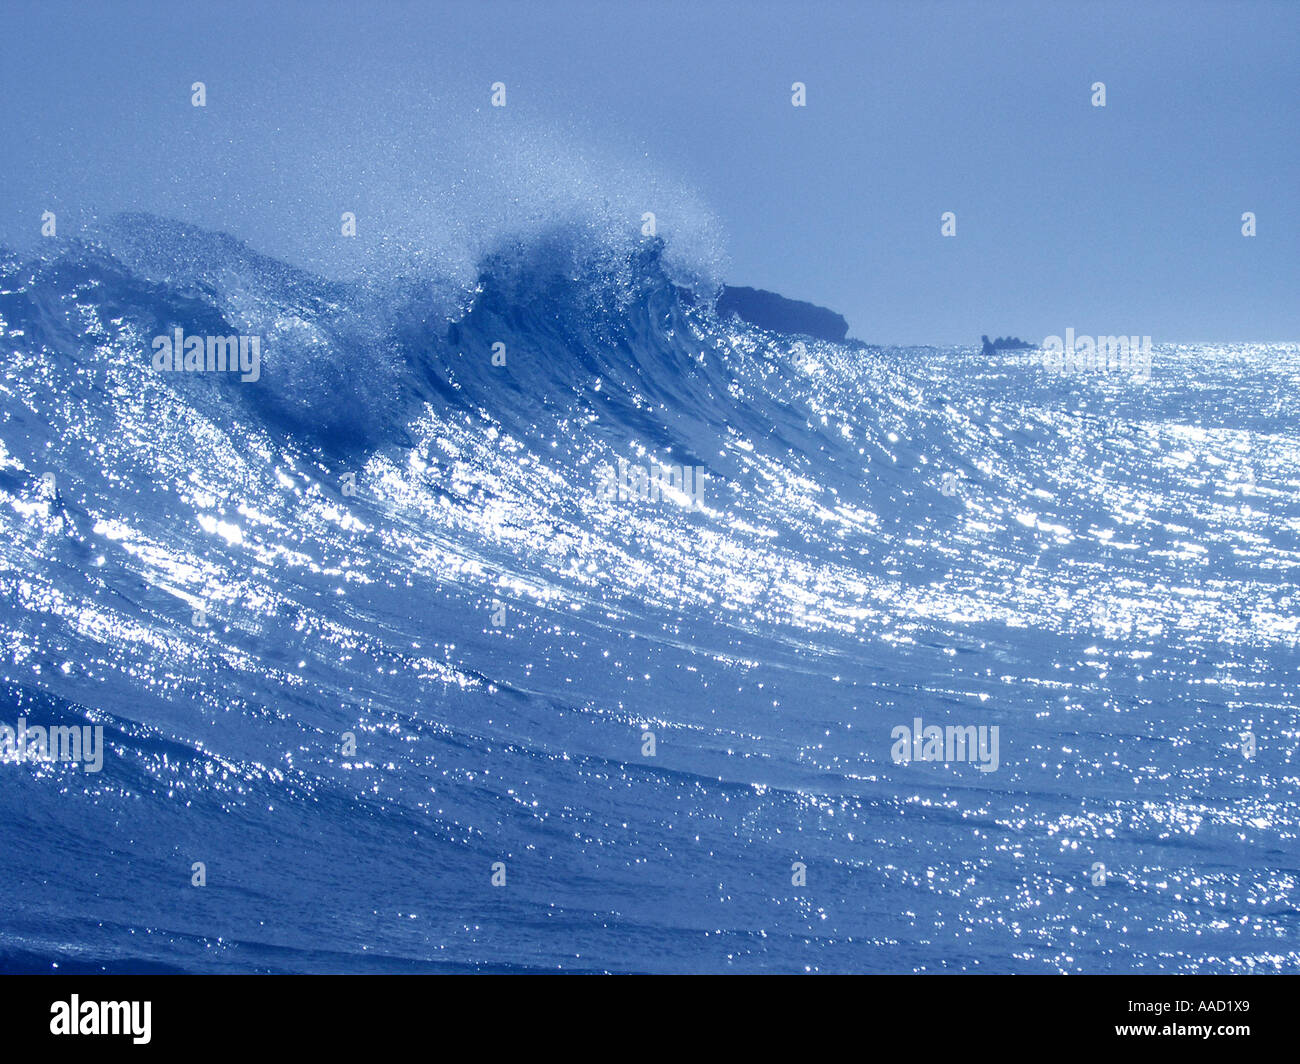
(1109, 579)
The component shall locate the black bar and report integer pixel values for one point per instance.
(330, 1013)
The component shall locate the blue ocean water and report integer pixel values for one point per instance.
(391, 540)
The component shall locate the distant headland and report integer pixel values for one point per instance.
(770, 311)
(1004, 343)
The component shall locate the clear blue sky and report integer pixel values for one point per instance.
(1117, 220)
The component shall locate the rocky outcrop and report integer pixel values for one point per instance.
(770, 311)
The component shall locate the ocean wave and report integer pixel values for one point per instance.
(403, 532)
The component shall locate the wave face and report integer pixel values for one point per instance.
(389, 540)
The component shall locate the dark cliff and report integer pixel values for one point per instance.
(770, 311)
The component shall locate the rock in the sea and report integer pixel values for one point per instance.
(770, 311)
(1003, 343)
